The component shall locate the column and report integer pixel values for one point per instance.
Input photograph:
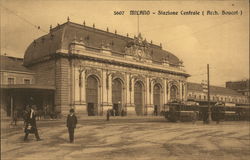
(127, 90)
(169, 87)
(110, 89)
(184, 92)
(165, 101)
(105, 92)
(104, 85)
(152, 93)
(76, 86)
(80, 106)
(132, 91)
(83, 88)
(147, 91)
(150, 108)
(131, 105)
(180, 84)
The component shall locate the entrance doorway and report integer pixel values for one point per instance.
(157, 99)
(138, 98)
(92, 96)
(117, 96)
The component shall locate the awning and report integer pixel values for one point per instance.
(27, 86)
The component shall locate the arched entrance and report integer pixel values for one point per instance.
(157, 99)
(92, 95)
(117, 96)
(138, 98)
(173, 93)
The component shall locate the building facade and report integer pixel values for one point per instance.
(19, 87)
(198, 92)
(93, 70)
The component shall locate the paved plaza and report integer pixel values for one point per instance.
(123, 138)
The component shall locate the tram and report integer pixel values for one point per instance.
(193, 111)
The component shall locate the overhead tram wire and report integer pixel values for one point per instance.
(174, 25)
(205, 29)
(24, 19)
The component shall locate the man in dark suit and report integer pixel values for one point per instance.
(30, 124)
(71, 124)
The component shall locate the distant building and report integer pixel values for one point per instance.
(198, 92)
(242, 87)
(19, 87)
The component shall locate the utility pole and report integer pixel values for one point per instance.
(138, 25)
(208, 96)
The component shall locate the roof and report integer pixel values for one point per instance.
(12, 64)
(213, 89)
(238, 85)
(61, 36)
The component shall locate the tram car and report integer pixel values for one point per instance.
(181, 112)
(191, 111)
(228, 112)
(244, 112)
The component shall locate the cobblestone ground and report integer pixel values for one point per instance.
(126, 138)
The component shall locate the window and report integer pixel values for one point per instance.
(26, 81)
(11, 80)
(205, 97)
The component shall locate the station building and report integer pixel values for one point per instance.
(198, 93)
(92, 70)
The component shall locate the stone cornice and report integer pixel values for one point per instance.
(19, 72)
(111, 60)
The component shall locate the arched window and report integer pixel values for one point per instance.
(173, 92)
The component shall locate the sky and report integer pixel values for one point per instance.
(222, 41)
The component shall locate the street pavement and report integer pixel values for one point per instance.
(133, 138)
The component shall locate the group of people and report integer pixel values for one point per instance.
(29, 117)
(113, 112)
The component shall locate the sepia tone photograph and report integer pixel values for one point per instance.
(124, 80)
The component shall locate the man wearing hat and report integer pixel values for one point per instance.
(71, 124)
(30, 126)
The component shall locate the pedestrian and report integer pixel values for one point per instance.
(108, 114)
(25, 114)
(71, 124)
(205, 116)
(14, 118)
(30, 124)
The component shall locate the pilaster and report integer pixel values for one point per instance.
(180, 84)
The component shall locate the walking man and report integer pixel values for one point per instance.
(108, 114)
(15, 116)
(30, 124)
(71, 124)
